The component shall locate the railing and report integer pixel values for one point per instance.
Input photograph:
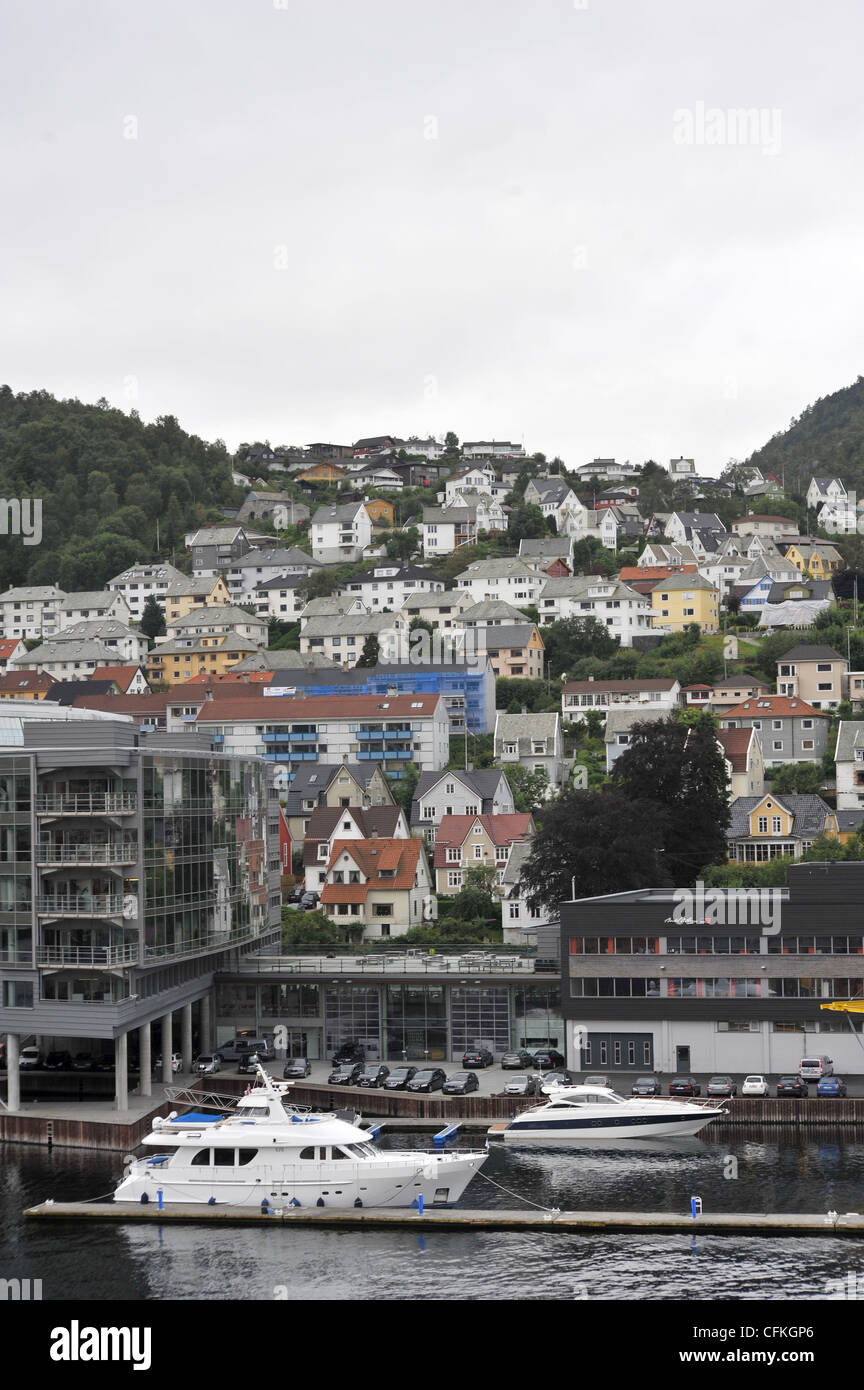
(97, 905)
(16, 957)
(214, 940)
(87, 955)
(87, 803)
(386, 965)
(87, 854)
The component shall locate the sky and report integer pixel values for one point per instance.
(611, 228)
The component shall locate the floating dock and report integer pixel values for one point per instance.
(453, 1219)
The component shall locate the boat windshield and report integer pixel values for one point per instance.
(575, 1098)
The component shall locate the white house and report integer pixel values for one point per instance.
(824, 489)
(445, 529)
(623, 610)
(513, 580)
(32, 611)
(91, 605)
(391, 585)
(340, 533)
(138, 583)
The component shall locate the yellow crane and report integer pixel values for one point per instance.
(846, 1006)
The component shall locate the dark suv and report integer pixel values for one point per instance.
(348, 1052)
(374, 1075)
(479, 1057)
(546, 1058)
(430, 1079)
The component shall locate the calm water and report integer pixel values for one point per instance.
(731, 1173)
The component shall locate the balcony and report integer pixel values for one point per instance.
(105, 956)
(91, 905)
(87, 804)
(48, 855)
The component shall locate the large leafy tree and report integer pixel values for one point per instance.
(573, 639)
(594, 842)
(681, 769)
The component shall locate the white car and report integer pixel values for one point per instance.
(176, 1062)
(29, 1058)
(755, 1086)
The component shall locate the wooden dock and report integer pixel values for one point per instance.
(846, 1224)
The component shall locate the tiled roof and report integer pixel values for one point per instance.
(774, 707)
(736, 744)
(502, 829)
(278, 709)
(373, 856)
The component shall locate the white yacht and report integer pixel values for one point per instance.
(595, 1112)
(268, 1150)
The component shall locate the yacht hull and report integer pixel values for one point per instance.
(612, 1127)
(393, 1181)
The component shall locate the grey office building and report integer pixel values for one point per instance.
(134, 865)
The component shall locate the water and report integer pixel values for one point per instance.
(753, 1172)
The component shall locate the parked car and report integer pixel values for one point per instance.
(831, 1086)
(814, 1068)
(346, 1075)
(547, 1058)
(348, 1052)
(792, 1086)
(399, 1078)
(516, 1061)
(479, 1057)
(721, 1086)
(375, 1074)
(208, 1064)
(685, 1086)
(595, 1079)
(104, 1062)
(29, 1058)
(555, 1078)
(83, 1061)
(523, 1085)
(309, 902)
(460, 1083)
(296, 1066)
(295, 894)
(248, 1065)
(58, 1061)
(646, 1086)
(176, 1062)
(755, 1085)
(430, 1079)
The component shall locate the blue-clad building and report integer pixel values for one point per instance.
(468, 691)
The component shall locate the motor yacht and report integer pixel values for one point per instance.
(595, 1112)
(270, 1151)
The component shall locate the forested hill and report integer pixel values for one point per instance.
(104, 478)
(827, 438)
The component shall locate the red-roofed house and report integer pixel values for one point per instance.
(475, 842)
(745, 766)
(130, 679)
(327, 824)
(790, 730)
(378, 888)
(11, 648)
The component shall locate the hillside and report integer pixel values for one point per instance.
(828, 437)
(104, 478)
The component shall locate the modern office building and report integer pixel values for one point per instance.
(731, 981)
(134, 864)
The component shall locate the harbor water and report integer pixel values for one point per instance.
(733, 1171)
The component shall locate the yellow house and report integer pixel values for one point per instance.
(184, 595)
(815, 557)
(380, 512)
(682, 599)
(172, 663)
(772, 827)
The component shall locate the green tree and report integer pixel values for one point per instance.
(152, 619)
(592, 843)
(568, 641)
(681, 769)
(800, 778)
(404, 787)
(369, 655)
(529, 789)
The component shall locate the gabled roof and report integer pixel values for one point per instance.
(621, 721)
(525, 728)
(185, 588)
(310, 781)
(502, 829)
(850, 735)
(91, 598)
(373, 822)
(737, 745)
(21, 681)
(808, 812)
(372, 858)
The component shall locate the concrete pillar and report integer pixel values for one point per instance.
(206, 1015)
(146, 1086)
(167, 1048)
(121, 1073)
(13, 1074)
(186, 1036)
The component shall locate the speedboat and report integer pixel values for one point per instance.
(595, 1112)
(268, 1152)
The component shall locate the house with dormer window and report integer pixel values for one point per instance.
(773, 827)
(484, 791)
(791, 731)
(327, 824)
(474, 842)
(378, 888)
(532, 740)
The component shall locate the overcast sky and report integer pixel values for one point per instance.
(527, 219)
